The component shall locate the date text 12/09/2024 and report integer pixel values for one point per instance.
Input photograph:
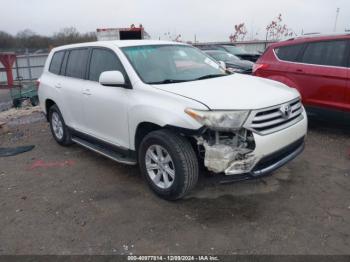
(173, 258)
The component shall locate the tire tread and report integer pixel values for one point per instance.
(188, 157)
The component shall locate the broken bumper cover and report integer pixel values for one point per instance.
(273, 151)
(270, 163)
(274, 161)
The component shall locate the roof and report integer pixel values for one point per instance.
(315, 35)
(249, 42)
(120, 43)
(312, 38)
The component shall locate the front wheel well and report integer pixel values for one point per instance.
(143, 129)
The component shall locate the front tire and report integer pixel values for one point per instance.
(168, 163)
(58, 127)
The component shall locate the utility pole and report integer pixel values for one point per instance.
(336, 20)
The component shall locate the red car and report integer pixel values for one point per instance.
(318, 66)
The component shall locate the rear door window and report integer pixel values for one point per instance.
(76, 64)
(289, 53)
(330, 53)
(56, 62)
(103, 60)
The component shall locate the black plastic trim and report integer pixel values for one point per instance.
(124, 151)
(187, 131)
(127, 86)
(278, 159)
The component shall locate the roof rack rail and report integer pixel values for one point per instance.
(314, 33)
(323, 34)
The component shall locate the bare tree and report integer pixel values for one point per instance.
(276, 30)
(29, 39)
(7, 41)
(70, 35)
(67, 35)
(26, 33)
(240, 32)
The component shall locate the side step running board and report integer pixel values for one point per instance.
(105, 152)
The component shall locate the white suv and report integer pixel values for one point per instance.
(170, 108)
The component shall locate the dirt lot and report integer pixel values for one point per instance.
(5, 99)
(56, 200)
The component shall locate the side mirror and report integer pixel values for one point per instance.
(112, 78)
(222, 64)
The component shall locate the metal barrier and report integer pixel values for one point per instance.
(28, 67)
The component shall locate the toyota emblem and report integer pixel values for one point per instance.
(286, 111)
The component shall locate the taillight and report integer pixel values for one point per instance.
(257, 67)
(37, 83)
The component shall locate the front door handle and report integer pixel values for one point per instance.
(300, 71)
(58, 86)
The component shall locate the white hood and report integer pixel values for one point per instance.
(234, 92)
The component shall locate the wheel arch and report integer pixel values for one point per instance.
(48, 104)
(143, 119)
(142, 130)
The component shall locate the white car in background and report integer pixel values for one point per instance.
(169, 107)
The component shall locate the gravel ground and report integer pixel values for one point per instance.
(5, 100)
(57, 200)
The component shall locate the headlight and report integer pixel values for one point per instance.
(219, 120)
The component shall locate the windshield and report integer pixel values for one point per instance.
(225, 57)
(164, 64)
(235, 50)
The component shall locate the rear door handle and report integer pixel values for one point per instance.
(58, 85)
(87, 92)
(300, 71)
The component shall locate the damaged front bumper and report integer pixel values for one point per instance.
(267, 165)
(278, 159)
(261, 156)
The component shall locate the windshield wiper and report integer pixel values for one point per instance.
(172, 81)
(210, 76)
(168, 81)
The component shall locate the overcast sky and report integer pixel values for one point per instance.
(210, 20)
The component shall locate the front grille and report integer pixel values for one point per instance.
(270, 120)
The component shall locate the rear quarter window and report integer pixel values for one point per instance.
(328, 53)
(289, 53)
(56, 62)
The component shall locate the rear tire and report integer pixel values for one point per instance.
(34, 100)
(168, 163)
(58, 127)
(16, 102)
